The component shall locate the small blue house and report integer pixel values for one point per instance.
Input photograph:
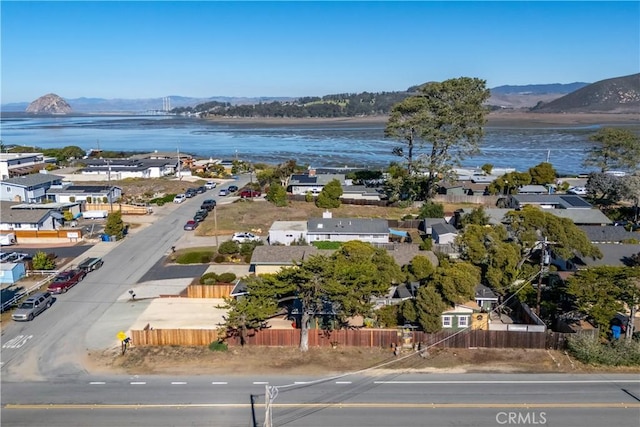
(11, 272)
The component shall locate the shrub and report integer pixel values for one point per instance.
(218, 259)
(89, 199)
(42, 261)
(590, 350)
(229, 247)
(227, 277)
(105, 199)
(426, 244)
(208, 279)
(195, 257)
(218, 346)
(308, 197)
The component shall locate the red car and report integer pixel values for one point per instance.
(66, 280)
(245, 194)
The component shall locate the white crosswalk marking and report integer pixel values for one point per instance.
(17, 342)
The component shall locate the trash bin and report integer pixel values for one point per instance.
(105, 237)
(112, 238)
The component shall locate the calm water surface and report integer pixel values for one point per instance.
(329, 145)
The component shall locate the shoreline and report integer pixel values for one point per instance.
(494, 120)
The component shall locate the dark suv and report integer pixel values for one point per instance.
(208, 204)
(200, 215)
(233, 188)
(191, 192)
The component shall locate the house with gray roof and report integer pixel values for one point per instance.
(578, 216)
(371, 230)
(130, 168)
(271, 259)
(359, 192)
(311, 182)
(443, 234)
(608, 234)
(533, 189)
(13, 217)
(548, 201)
(29, 188)
(613, 254)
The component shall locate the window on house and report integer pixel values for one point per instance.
(463, 321)
(446, 321)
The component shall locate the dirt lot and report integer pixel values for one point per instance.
(326, 361)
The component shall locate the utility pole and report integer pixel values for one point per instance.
(543, 256)
(110, 188)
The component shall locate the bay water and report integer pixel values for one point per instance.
(315, 145)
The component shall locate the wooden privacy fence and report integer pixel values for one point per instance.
(356, 338)
(74, 233)
(122, 207)
(219, 290)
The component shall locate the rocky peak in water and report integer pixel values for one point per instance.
(49, 104)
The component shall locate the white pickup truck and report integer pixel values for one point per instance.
(7, 239)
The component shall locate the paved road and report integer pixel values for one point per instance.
(362, 400)
(90, 315)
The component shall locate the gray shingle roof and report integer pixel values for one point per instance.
(608, 233)
(441, 229)
(614, 254)
(578, 216)
(21, 216)
(284, 255)
(33, 179)
(347, 226)
(564, 201)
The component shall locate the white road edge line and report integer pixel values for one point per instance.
(97, 382)
(178, 382)
(301, 382)
(137, 382)
(219, 382)
(260, 382)
(343, 382)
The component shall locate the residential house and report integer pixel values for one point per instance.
(77, 193)
(17, 164)
(345, 229)
(287, 232)
(533, 189)
(311, 182)
(613, 254)
(486, 298)
(443, 234)
(548, 201)
(578, 216)
(271, 259)
(608, 234)
(130, 168)
(29, 188)
(57, 208)
(28, 219)
(462, 188)
(463, 316)
(428, 223)
(359, 192)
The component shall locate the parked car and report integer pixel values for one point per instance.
(243, 237)
(201, 189)
(245, 194)
(223, 192)
(200, 215)
(180, 198)
(210, 185)
(191, 225)
(32, 306)
(65, 281)
(191, 192)
(208, 204)
(580, 191)
(233, 188)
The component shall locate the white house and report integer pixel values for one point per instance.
(130, 168)
(77, 193)
(443, 234)
(16, 164)
(311, 182)
(27, 219)
(345, 229)
(287, 232)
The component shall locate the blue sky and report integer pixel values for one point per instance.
(199, 49)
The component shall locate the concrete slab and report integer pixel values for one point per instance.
(182, 313)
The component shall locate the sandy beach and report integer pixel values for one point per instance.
(495, 119)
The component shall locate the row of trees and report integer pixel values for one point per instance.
(338, 105)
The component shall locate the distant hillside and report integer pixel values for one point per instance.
(617, 95)
(554, 88)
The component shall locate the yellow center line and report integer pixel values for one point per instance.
(620, 405)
